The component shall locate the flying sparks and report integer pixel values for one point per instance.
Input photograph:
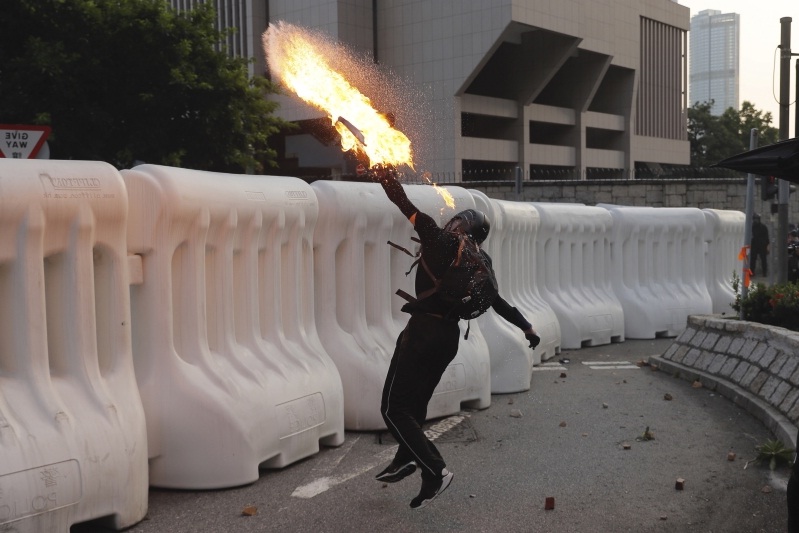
(443, 193)
(294, 58)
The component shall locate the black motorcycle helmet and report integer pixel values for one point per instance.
(472, 222)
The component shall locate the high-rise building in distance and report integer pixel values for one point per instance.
(714, 59)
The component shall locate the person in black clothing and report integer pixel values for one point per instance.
(760, 244)
(793, 263)
(428, 344)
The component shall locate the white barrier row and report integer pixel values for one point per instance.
(724, 235)
(658, 268)
(252, 331)
(73, 444)
(228, 360)
(573, 273)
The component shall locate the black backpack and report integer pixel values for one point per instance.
(468, 286)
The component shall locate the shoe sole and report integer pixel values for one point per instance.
(444, 484)
(399, 475)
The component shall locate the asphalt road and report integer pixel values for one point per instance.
(564, 438)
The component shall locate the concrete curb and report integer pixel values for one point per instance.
(754, 365)
(782, 428)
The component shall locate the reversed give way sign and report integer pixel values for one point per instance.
(19, 141)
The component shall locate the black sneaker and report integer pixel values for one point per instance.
(431, 489)
(396, 472)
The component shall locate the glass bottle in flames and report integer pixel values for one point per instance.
(296, 60)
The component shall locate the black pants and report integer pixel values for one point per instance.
(763, 255)
(425, 348)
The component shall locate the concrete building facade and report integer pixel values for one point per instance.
(579, 88)
(715, 59)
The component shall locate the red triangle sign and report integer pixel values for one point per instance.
(19, 141)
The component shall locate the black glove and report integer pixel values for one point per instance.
(382, 174)
(387, 177)
(533, 338)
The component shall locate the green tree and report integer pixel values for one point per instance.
(754, 118)
(127, 80)
(715, 137)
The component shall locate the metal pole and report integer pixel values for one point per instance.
(750, 211)
(781, 268)
(518, 183)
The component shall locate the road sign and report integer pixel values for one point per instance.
(19, 141)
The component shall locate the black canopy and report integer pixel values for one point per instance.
(780, 160)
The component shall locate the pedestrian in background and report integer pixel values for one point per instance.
(760, 245)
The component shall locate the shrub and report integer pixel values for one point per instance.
(775, 305)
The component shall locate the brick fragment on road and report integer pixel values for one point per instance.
(679, 484)
(249, 510)
(731, 456)
(668, 397)
(549, 503)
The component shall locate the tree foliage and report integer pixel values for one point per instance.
(127, 80)
(716, 137)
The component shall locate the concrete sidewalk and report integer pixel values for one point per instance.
(576, 438)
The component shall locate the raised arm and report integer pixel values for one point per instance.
(388, 179)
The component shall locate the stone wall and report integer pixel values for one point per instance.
(720, 193)
(754, 365)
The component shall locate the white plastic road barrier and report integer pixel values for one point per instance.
(659, 268)
(724, 237)
(358, 315)
(573, 273)
(73, 443)
(228, 360)
(511, 245)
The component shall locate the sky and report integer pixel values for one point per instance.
(759, 59)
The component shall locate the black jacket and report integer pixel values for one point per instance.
(439, 249)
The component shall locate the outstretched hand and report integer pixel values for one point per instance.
(533, 338)
(382, 173)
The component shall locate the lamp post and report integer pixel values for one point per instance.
(781, 266)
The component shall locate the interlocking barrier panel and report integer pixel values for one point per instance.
(573, 273)
(228, 360)
(658, 268)
(359, 317)
(73, 444)
(724, 237)
(511, 245)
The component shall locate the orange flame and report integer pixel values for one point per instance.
(295, 60)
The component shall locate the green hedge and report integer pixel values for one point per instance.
(775, 305)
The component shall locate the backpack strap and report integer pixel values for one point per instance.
(401, 293)
(404, 295)
(417, 256)
(436, 281)
(402, 249)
